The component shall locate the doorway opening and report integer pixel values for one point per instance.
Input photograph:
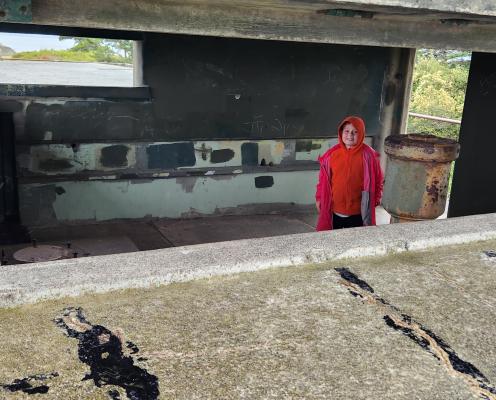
(438, 95)
(10, 229)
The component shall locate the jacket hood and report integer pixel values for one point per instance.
(358, 123)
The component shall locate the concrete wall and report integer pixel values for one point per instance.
(229, 88)
(224, 126)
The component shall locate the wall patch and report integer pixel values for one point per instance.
(170, 156)
(306, 146)
(221, 156)
(55, 165)
(262, 182)
(249, 154)
(114, 156)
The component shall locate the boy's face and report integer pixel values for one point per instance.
(349, 136)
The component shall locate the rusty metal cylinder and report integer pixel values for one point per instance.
(417, 176)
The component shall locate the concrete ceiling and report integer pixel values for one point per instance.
(460, 24)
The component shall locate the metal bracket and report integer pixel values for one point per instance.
(15, 11)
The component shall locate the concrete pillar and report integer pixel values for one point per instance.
(395, 97)
(138, 63)
(474, 182)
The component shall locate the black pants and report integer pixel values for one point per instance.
(346, 222)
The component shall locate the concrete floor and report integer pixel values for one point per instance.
(130, 236)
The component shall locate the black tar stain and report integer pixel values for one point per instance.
(108, 365)
(134, 349)
(456, 362)
(490, 253)
(407, 332)
(114, 395)
(25, 385)
(349, 276)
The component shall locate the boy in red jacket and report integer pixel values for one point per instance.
(350, 180)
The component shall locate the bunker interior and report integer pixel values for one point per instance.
(232, 104)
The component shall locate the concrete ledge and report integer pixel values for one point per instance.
(28, 283)
(80, 92)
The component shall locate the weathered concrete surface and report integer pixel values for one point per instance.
(282, 333)
(33, 282)
(49, 204)
(439, 23)
(187, 232)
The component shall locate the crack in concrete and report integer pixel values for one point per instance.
(425, 338)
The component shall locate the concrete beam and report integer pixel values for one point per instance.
(470, 7)
(28, 283)
(395, 23)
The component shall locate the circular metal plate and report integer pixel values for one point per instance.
(40, 253)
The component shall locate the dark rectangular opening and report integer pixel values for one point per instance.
(9, 204)
(10, 229)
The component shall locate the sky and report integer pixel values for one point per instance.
(25, 42)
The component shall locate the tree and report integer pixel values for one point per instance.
(438, 89)
(104, 50)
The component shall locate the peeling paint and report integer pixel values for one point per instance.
(187, 184)
(134, 158)
(36, 204)
(161, 198)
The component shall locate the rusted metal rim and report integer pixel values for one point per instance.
(420, 147)
(41, 253)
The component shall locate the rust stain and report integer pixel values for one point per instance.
(433, 191)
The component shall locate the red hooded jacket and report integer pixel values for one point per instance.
(348, 161)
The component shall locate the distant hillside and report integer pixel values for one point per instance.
(6, 51)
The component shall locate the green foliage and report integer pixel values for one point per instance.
(55, 55)
(438, 89)
(104, 50)
(86, 50)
